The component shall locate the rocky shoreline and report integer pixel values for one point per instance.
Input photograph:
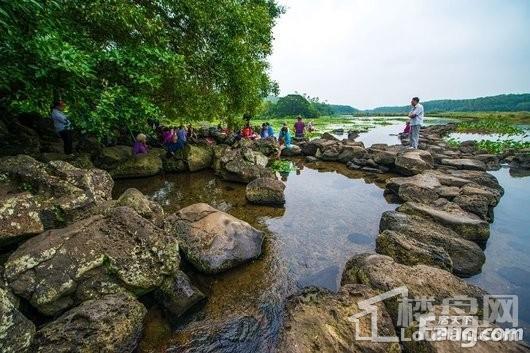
(83, 261)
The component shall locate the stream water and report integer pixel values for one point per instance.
(331, 213)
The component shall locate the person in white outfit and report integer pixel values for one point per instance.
(416, 119)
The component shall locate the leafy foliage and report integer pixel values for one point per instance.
(119, 63)
(282, 166)
(292, 105)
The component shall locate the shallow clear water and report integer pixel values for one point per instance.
(507, 267)
(331, 213)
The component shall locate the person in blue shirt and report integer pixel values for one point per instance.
(264, 133)
(62, 125)
(182, 135)
(270, 129)
(284, 139)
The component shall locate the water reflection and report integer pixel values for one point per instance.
(507, 267)
(331, 213)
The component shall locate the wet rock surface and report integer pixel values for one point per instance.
(466, 256)
(266, 191)
(316, 320)
(409, 251)
(177, 294)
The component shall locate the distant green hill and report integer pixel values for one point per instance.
(342, 109)
(500, 103)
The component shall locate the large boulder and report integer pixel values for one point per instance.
(19, 218)
(121, 163)
(349, 153)
(241, 164)
(177, 294)
(96, 183)
(268, 147)
(464, 163)
(111, 324)
(383, 273)
(469, 226)
(61, 190)
(146, 208)
(16, 331)
(478, 177)
(310, 148)
(478, 199)
(386, 157)
(317, 320)
(411, 162)
(466, 256)
(409, 251)
(214, 241)
(266, 191)
(420, 188)
(120, 249)
(292, 151)
(521, 160)
(174, 163)
(198, 157)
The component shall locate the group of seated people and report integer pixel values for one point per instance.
(175, 139)
(247, 132)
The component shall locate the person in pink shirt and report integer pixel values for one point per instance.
(167, 135)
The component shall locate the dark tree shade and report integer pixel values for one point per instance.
(121, 62)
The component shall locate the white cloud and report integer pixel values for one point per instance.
(370, 53)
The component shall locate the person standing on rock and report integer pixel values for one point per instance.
(416, 119)
(299, 127)
(62, 125)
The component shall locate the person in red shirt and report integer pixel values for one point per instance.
(247, 132)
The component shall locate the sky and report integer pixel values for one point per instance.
(370, 53)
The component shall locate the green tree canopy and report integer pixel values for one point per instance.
(291, 105)
(121, 62)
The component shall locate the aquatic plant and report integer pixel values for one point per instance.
(502, 146)
(494, 147)
(485, 126)
(283, 166)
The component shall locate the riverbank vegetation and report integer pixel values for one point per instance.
(489, 126)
